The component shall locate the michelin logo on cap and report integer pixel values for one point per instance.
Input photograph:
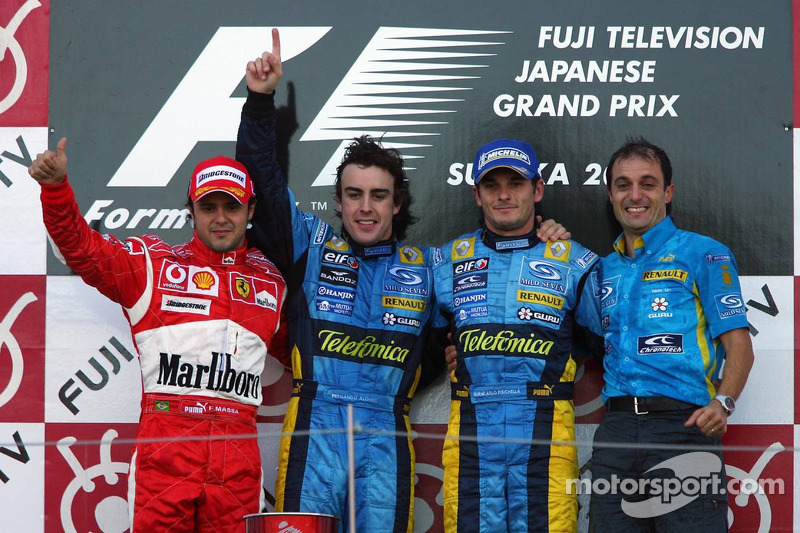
(506, 153)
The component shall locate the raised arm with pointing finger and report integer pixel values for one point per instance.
(359, 308)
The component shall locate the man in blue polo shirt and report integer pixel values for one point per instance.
(672, 312)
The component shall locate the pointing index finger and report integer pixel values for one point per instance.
(276, 43)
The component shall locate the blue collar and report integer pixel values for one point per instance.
(652, 240)
(501, 243)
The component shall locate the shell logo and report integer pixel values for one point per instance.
(203, 280)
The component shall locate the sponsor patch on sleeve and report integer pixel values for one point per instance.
(729, 305)
(586, 259)
(437, 256)
(319, 234)
(716, 258)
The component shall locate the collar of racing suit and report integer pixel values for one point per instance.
(379, 249)
(234, 257)
(502, 243)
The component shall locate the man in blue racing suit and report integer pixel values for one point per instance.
(358, 309)
(518, 306)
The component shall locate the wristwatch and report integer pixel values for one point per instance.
(728, 404)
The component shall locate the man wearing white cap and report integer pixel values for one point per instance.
(517, 305)
(202, 315)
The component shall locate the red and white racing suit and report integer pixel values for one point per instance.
(201, 322)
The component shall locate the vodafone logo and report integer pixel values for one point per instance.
(189, 279)
(175, 274)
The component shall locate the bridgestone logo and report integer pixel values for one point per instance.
(221, 172)
(180, 304)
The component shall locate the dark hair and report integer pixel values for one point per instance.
(365, 152)
(641, 148)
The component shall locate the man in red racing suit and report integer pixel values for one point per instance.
(202, 315)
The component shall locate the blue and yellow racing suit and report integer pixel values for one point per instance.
(517, 306)
(357, 322)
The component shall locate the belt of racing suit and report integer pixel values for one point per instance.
(305, 388)
(530, 390)
(198, 406)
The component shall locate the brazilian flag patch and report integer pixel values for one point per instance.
(162, 406)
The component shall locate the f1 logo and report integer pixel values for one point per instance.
(170, 137)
